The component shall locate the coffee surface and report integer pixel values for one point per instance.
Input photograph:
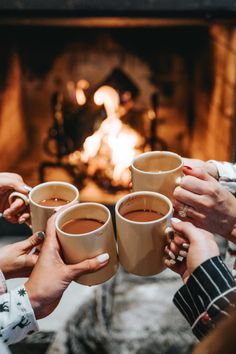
(81, 226)
(53, 202)
(143, 215)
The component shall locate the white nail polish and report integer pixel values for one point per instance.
(172, 262)
(1, 215)
(179, 258)
(171, 254)
(175, 220)
(185, 245)
(183, 253)
(103, 257)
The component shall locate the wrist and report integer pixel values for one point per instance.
(35, 300)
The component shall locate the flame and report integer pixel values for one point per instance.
(114, 145)
(79, 92)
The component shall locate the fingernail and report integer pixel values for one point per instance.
(185, 245)
(183, 253)
(188, 167)
(171, 254)
(27, 188)
(103, 257)
(41, 235)
(179, 258)
(172, 262)
(175, 220)
(1, 215)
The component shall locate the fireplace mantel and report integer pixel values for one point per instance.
(119, 5)
(144, 12)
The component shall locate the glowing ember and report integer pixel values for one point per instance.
(114, 145)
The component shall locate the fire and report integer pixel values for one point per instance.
(114, 145)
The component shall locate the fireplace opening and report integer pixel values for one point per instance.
(78, 104)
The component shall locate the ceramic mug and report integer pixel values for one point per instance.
(77, 247)
(157, 171)
(141, 244)
(41, 213)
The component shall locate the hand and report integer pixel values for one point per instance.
(195, 244)
(209, 205)
(208, 167)
(15, 260)
(51, 276)
(17, 212)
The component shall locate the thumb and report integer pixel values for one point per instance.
(21, 187)
(198, 173)
(187, 230)
(88, 266)
(33, 241)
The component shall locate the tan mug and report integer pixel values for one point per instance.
(46, 191)
(141, 243)
(157, 171)
(79, 246)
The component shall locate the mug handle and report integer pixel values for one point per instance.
(18, 195)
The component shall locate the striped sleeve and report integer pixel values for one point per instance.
(208, 296)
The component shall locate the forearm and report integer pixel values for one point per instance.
(208, 295)
(17, 317)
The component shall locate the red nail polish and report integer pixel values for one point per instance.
(188, 167)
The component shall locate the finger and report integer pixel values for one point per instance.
(170, 263)
(88, 266)
(188, 198)
(32, 241)
(15, 207)
(174, 249)
(22, 219)
(198, 173)
(196, 185)
(188, 231)
(20, 186)
(169, 252)
(190, 212)
(11, 219)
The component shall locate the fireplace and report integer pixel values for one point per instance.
(171, 82)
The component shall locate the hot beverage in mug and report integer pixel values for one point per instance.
(81, 226)
(53, 202)
(143, 215)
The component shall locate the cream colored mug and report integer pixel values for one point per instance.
(80, 246)
(141, 244)
(157, 171)
(41, 213)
